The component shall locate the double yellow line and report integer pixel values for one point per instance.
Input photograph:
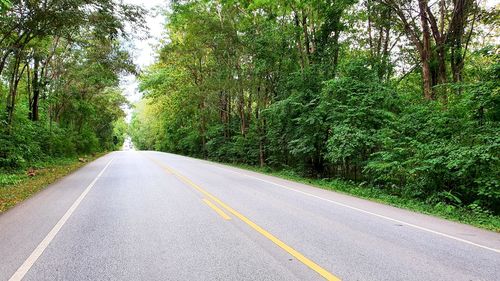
(216, 209)
(312, 265)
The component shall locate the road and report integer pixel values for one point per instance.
(154, 216)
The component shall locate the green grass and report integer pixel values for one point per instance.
(17, 186)
(467, 215)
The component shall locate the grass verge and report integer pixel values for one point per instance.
(17, 186)
(467, 215)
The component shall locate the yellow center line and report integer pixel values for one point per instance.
(312, 265)
(167, 170)
(216, 209)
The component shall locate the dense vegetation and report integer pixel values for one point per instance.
(399, 95)
(60, 63)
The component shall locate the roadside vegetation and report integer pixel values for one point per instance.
(60, 64)
(16, 186)
(392, 100)
(468, 215)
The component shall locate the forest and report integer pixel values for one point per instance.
(60, 65)
(394, 95)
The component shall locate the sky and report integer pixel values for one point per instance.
(144, 51)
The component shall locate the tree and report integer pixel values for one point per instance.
(60, 63)
(333, 89)
(437, 38)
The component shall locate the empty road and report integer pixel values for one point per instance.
(154, 216)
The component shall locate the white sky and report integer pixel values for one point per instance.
(143, 50)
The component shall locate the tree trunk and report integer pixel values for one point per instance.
(36, 90)
(299, 41)
(385, 72)
(306, 37)
(14, 82)
(336, 50)
(224, 112)
(261, 153)
(370, 37)
(461, 10)
(439, 75)
(241, 101)
(203, 126)
(425, 52)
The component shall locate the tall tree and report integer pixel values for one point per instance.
(437, 38)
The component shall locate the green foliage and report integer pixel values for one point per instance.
(120, 132)
(59, 72)
(446, 153)
(359, 111)
(10, 179)
(4, 5)
(303, 86)
(16, 186)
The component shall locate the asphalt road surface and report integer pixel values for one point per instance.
(154, 216)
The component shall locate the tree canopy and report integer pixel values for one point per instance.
(397, 95)
(60, 64)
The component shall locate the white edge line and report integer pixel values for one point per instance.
(28, 263)
(231, 169)
(364, 211)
